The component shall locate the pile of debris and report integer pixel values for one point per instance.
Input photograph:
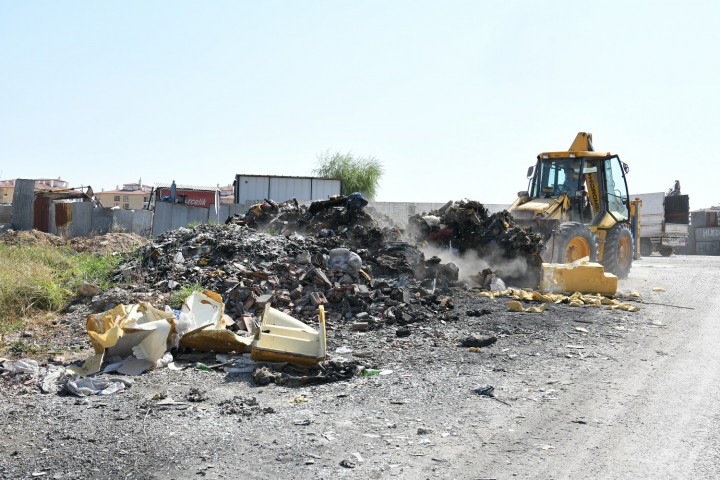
(326, 218)
(269, 298)
(466, 225)
(332, 254)
(359, 273)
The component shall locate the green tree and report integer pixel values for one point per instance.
(359, 174)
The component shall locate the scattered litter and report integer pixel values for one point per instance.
(486, 390)
(243, 406)
(489, 391)
(84, 387)
(196, 395)
(348, 463)
(517, 307)
(479, 341)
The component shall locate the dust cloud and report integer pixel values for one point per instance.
(472, 262)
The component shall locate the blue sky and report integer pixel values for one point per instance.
(456, 98)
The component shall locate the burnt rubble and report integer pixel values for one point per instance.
(467, 225)
(358, 270)
(361, 269)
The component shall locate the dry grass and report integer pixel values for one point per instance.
(38, 278)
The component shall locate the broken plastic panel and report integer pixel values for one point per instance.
(209, 334)
(282, 338)
(207, 308)
(580, 276)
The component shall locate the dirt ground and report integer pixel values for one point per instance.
(105, 244)
(633, 397)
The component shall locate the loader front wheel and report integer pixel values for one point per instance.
(574, 241)
(618, 251)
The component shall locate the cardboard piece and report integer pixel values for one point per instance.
(134, 366)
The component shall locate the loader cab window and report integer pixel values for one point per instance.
(616, 189)
(558, 175)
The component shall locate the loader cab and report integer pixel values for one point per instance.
(593, 183)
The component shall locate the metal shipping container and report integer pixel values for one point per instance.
(707, 248)
(704, 218)
(251, 189)
(707, 234)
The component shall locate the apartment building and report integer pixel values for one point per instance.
(132, 196)
(226, 194)
(7, 187)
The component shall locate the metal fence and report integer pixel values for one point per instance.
(79, 219)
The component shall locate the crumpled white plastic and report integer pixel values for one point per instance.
(164, 361)
(183, 324)
(22, 366)
(345, 260)
(83, 387)
(53, 379)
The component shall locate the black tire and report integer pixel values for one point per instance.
(568, 237)
(666, 251)
(618, 252)
(646, 247)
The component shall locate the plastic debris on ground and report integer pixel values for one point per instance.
(580, 276)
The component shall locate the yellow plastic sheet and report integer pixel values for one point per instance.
(517, 307)
(102, 322)
(628, 307)
(90, 366)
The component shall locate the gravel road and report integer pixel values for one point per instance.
(638, 400)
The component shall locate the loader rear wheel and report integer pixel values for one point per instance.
(666, 251)
(618, 251)
(574, 241)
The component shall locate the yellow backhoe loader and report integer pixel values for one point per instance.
(579, 201)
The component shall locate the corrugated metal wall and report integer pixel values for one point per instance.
(41, 214)
(323, 189)
(63, 218)
(22, 204)
(5, 213)
(282, 189)
(250, 190)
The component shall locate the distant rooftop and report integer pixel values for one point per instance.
(40, 183)
(123, 192)
(179, 186)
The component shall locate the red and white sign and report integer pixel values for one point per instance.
(194, 197)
